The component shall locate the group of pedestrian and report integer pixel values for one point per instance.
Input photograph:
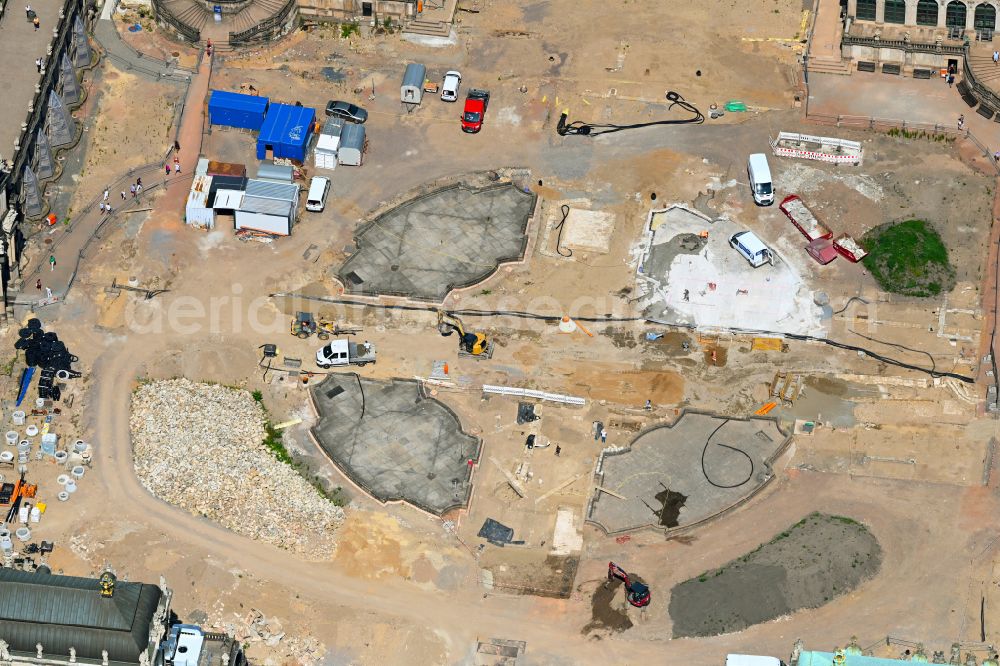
(32, 16)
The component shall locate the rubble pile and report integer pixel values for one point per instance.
(268, 632)
(200, 447)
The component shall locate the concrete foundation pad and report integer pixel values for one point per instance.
(395, 443)
(588, 230)
(679, 474)
(452, 237)
(705, 282)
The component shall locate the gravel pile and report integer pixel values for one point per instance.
(200, 447)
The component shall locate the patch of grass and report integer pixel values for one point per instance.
(273, 442)
(348, 29)
(8, 368)
(904, 133)
(909, 258)
(845, 520)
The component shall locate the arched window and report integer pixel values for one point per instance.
(866, 10)
(927, 12)
(954, 15)
(986, 16)
(895, 11)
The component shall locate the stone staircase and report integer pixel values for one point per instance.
(429, 28)
(189, 12)
(254, 13)
(982, 66)
(829, 66)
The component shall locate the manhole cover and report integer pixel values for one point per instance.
(394, 267)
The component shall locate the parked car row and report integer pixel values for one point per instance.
(476, 101)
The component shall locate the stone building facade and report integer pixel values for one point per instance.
(963, 14)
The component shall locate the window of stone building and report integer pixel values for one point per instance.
(954, 16)
(895, 11)
(927, 12)
(866, 10)
(986, 16)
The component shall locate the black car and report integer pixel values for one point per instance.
(349, 112)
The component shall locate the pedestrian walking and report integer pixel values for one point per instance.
(177, 168)
(36, 23)
(38, 284)
(48, 293)
(123, 195)
(107, 193)
(27, 11)
(604, 436)
(167, 169)
(649, 405)
(52, 262)
(996, 57)
(558, 449)
(961, 121)
(996, 156)
(107, 209)
(138, 182)
(138, 189)
(951, 80)
(132, 190)
(38, 65)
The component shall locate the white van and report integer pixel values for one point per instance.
(760, 179)
(449, 87)
(319, 188)
(752, 660)
(752, 248)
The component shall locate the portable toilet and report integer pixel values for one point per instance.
(412, 90)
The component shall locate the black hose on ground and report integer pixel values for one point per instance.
(607, 318)
(362, 389)
(731, 448)
(579, 128)
(561, 227)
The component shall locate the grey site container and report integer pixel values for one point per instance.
(412, 90)
(352, 145)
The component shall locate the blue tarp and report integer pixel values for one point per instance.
(286, 131)
(236, 110)
(25, 383)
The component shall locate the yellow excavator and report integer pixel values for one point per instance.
(470, 343)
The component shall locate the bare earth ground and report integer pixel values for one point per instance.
(132, 127)
(901, 454)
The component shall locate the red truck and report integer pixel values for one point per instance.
(476, 102)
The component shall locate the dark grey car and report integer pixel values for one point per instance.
(350, 112)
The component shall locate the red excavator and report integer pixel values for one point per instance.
(636, 593)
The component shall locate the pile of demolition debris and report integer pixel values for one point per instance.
(266, 637)
(201, 447)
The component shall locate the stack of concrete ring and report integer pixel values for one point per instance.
(46, 351)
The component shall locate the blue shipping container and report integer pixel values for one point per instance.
(237, 110)
(286, 132)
